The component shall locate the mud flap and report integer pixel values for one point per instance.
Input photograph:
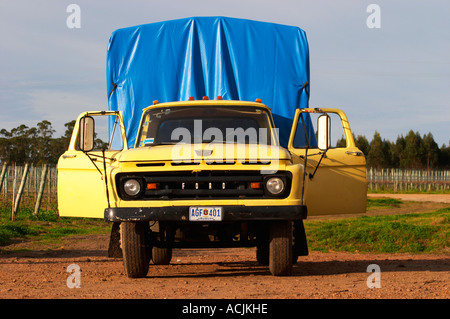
(114, 249)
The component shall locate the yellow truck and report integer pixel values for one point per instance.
(208, 167)
(211, 173)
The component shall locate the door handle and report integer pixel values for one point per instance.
(356, 153)
(69, 156)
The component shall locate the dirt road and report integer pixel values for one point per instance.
(436, 198)
(41, 272)
(220, 273)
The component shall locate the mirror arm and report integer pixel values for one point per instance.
(308, 145)
(105, 176)
(86, 153)
(104, 170)
(311, 176)
(110, 158)
(304, 173)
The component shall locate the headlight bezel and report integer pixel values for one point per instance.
(280, 179)
(133, 195)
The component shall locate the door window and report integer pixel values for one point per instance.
(107, 133)
(306, 132)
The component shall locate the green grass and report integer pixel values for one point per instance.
(383, 202)
(407, 233)
(46, 228)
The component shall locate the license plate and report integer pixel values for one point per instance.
(205, 214)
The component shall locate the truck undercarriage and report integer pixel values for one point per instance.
(143, 242)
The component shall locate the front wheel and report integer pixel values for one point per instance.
(134, 248)
(280, 251)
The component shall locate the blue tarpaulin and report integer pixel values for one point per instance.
(237, 59)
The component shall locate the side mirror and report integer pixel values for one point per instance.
(324, 132)
(86, 134)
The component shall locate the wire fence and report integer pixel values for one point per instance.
(407, 180)
(28, 186)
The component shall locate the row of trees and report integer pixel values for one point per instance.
(408, 152)
(37, 145)
(34, 145)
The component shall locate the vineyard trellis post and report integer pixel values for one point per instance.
(20, 191)
(20, 185)
(2, 177)
(41, 190)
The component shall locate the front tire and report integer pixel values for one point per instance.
(280, 251)
(134, 248)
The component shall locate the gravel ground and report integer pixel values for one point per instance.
(41, 273)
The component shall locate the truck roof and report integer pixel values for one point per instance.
(156, 103)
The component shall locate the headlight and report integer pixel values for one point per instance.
(275, 185)
(132, 187)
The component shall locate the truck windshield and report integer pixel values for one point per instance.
(206, 124)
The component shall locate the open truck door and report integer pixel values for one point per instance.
(82, 190)
(335, 175)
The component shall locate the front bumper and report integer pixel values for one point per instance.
(230, 213)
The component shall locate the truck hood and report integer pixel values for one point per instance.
(208, 152)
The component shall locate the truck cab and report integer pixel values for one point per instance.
(210, 173)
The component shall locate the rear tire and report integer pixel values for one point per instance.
(163, 237)
(161, 255)
(280, 252)
(134, 248)
(262, 254)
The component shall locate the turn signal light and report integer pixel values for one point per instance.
(255, 185)
(152, 186)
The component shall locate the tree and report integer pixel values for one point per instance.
(363, 144)
(69, 129)
(414, 152)
(44, 142)
(378, 156)
(444, 156)
(431, 151)
(60, 145)
(16, 145)
(34, 145)
(341, 142)
(396, 151)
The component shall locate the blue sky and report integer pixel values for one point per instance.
(390, 79)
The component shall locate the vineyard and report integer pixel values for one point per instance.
(408, 180)
(28, 186)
